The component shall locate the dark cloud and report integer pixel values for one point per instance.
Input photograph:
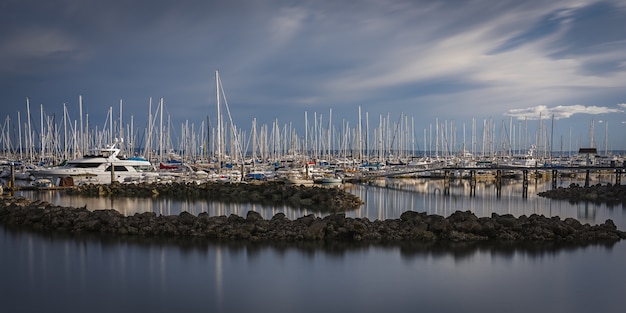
(592, 28)
(278, 58)
(549, 24)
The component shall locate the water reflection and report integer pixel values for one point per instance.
(74, 273)
(70, 273)
(81, 254)
(399, 195)
(384, 199)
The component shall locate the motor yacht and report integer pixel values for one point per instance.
(101, 168)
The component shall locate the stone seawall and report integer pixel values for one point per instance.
(323, 199)
(410, 227)
(610, 194)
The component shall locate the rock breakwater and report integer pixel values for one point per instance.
(410, 227)
(611, 194)
(320, 198)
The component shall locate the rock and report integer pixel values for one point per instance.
(411, 226)
(597, 193)
(316, 230)
(253, 216)
(307, 219)
(320, 198)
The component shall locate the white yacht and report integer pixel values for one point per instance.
(526, 160)
(96, 169)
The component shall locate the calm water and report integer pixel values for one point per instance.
(56, 273)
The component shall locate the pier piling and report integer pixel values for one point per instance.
(11, 182)
(525, 184)
(446, 182)
(498, 183)
(472, 183)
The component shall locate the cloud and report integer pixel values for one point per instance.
(23, 51)
(559, 112)
(545, 26)
(424, 58)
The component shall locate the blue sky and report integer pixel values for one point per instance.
(429, 60)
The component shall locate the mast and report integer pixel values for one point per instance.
(30, 135)
(330, 126)
(148, 148)
(367, 140)
(360, 137)
(306, 133)
(42, 134)
(551, 137)
(606, 139)
(121, 130)
(132, 136)
(65, 148)
(161, 129)
(80, 112)
(591, 139)
(110, 124)
(19, 130)
(219, 121)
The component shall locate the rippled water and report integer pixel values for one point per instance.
(59, 273)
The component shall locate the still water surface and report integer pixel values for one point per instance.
(57, 273)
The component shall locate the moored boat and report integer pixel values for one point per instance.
(96, 169)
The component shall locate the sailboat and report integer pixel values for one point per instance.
(226, 174)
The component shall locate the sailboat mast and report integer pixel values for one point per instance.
(161, 129)
(65, 147)
(360, 137)
(41, 138)
(30, 136)
(80, 112)
(219, 121)
(110, 124)
(121, 128)
(306, 133)
(330, 126)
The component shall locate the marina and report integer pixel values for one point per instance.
(312, 156)
(391, 177)
(212, 276)
(220, 150)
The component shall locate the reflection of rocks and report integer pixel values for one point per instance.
(323, 199)
(597, 193)
(410, 227)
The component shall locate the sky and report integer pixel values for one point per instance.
(454, 62)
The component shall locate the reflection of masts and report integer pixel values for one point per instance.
(219, 290)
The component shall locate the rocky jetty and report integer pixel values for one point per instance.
(323, 199)
(610, 194)
(336, 227)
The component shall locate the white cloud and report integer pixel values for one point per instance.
(523, 76)
(286, 24)
(559, 112)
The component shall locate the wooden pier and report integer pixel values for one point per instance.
(447, 174)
